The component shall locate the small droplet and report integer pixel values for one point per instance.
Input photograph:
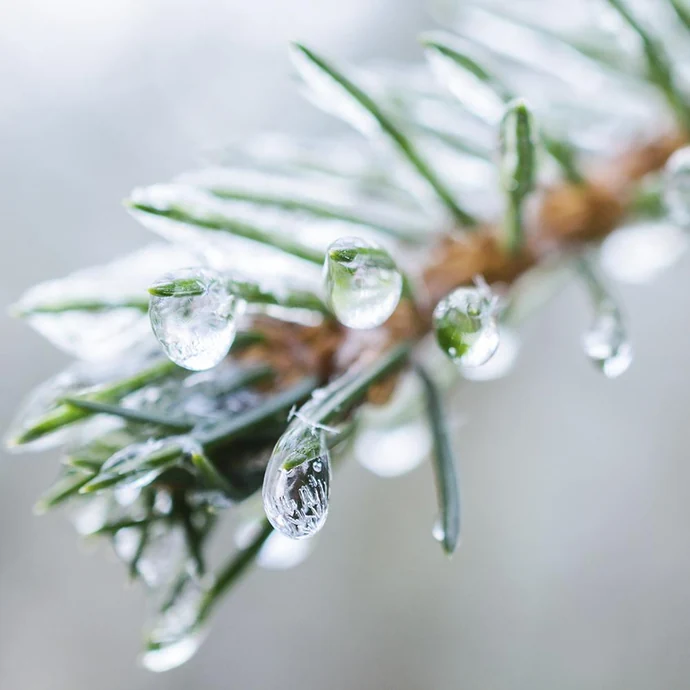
(502, 362)
(677, 187)
(176, 634)
(363, 284)
(606, 342)
(437, 531)
(466, 326)
(297, 483)
(197, 330)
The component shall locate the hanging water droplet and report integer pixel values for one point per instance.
(606, 342)
(677, 187)
(176, 635)
(363, 284)
(502, 362)
(466, 325)
(297, 483)
(278, 552)
(197, 328)
(437, 531)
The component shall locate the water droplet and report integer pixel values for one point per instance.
(437, 531)
(606, 342)
(391, 451)
(638, 254)
(363, 284)
(677, 186)
(176, 634)
(196, 331)
(466, 326)
(297, 483)
(164, 553)
(278, 552)
(502, 362)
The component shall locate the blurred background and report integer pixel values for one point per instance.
(575, 562)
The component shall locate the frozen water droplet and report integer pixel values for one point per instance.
(502, 362)
(176, 634)
(638, 254)
(196, 331)
(677, 187)
(278, 552)
(391, 451)
(363, 284)
(297, 483)
(437, 531)
(466, 326)
(606, 343)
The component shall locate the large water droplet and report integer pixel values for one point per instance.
(466, 326)
(363, 284)
(196, 330)
(677, 186)
(176, 634)
(297, 483)
(606, 342)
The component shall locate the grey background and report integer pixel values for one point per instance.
(575, 562)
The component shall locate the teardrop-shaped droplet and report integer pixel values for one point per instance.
(297, 483)
(437, 531)
(466, 326)
(677, 187)
(176, 635)
(363, 284)
(196, 328)
(606, 342)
